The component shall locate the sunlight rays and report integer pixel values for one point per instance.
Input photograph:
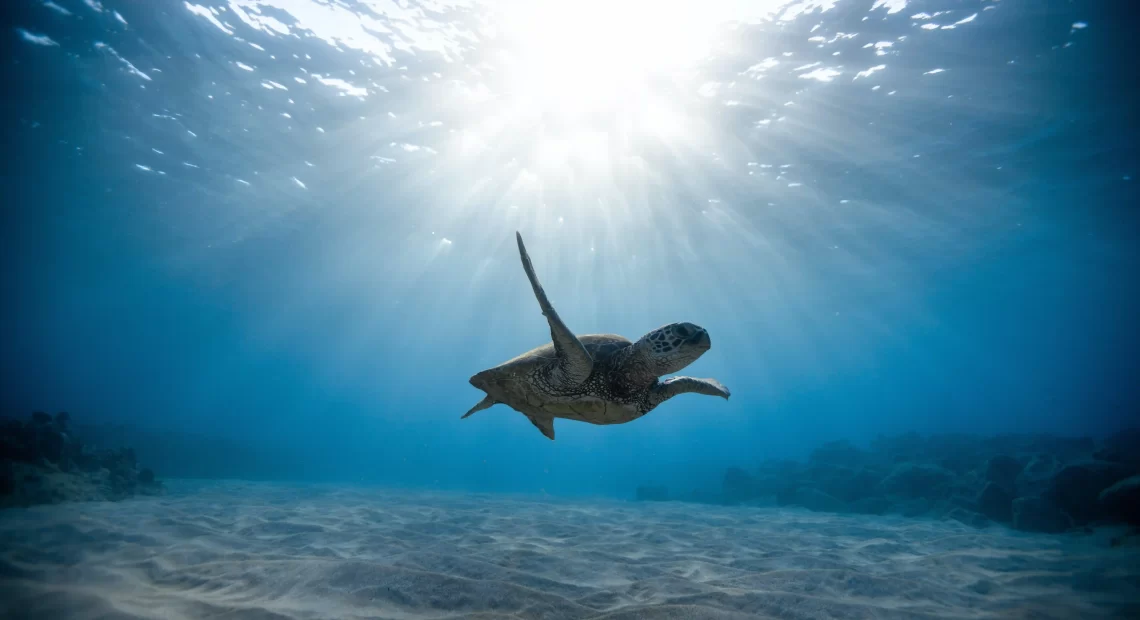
(809, 179)
(581, 88)
(653, 153)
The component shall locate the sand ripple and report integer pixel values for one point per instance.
(260, 551)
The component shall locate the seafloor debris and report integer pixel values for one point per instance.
(1039, 483)
(42, 462)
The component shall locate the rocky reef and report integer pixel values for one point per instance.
(43, 462)
(1037, 483)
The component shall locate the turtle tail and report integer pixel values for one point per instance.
(483, 404)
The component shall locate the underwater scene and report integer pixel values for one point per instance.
(570, 309)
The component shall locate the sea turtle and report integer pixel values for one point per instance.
(599, 378)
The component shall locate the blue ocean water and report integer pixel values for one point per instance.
(291, 224)
(266, 244)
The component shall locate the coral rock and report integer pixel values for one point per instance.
(1039, 514)
(1122, 500)
(996, 502)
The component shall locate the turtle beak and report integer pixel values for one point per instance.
(701, 340)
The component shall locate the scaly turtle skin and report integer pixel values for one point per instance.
(598, 378)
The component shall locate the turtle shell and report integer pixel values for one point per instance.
(512, 382)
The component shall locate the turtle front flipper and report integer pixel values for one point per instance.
(574, 363)
(673, 386)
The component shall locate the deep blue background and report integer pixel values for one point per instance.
(987, 286)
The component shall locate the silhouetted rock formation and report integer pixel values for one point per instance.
(1122, 500)
(996, 502)
(1036, 483)
(41, 462)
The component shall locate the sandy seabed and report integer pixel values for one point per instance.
(249, 550)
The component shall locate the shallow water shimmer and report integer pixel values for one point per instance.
(238, 550)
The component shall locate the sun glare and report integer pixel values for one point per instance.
(591, 105)
(581, 63)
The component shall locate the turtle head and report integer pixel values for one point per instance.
(668, 349)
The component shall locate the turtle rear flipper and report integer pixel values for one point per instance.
(574, 362)
(544, 424)
(486, 403)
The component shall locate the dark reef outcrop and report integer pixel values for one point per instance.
(1037, 483)
(42, 462)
